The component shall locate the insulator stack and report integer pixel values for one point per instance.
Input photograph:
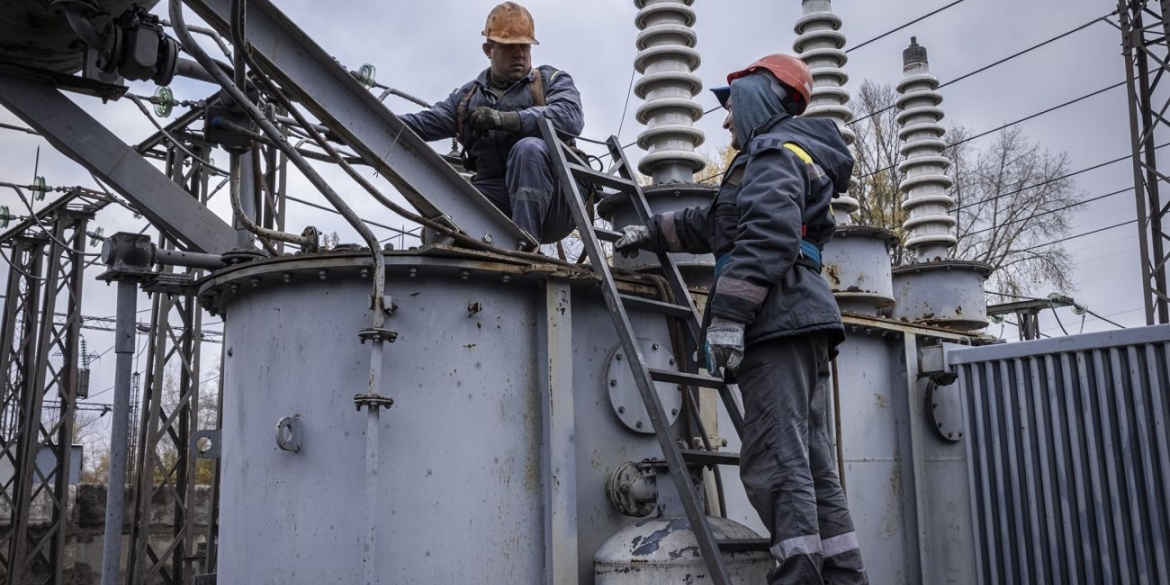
(929, 227)
(667, 60)
(821, 45)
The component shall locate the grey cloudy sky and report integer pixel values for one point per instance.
(428, 47)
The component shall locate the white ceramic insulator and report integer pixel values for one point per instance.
(667, 60)
(821, 45)
(929, 226)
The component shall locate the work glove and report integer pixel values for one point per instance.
(724, 346)
(632, 237)
(484, 119)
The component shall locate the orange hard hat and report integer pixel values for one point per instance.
(789, 70)
(510, 24)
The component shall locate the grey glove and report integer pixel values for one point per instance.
(724, 344)
(484, 119)
(632, 236)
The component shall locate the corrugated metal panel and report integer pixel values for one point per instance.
(1069, 460)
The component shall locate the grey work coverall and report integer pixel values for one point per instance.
(771, 199)
(513, 170)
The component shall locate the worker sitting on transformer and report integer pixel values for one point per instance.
(495, 117)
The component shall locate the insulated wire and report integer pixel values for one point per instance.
(915, 21)
(1051, 211)
(999, 62)
(1006, 126)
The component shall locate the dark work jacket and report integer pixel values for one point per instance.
(754, 229)
(488, 155)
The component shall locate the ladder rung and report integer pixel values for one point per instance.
(646, 304)
(702, 457)
(607, 235)
(743, 544)
(602, 179)
(686, 379)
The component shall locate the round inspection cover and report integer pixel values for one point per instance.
(623, 391)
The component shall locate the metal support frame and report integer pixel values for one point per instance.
(76, 134)
(30, 338)
(170, 416)
(1144, 38)
(312, 77)
(560, 468)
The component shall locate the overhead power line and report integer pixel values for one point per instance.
(1076, 236)
(1052, 211)
(1052, 180)
(894, 30)
(1000, 62)
(1009, 124)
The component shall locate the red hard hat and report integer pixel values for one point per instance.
(792, 72)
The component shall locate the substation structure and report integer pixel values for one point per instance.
(464, 408)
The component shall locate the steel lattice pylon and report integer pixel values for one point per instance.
(1144, 33)
(38, 402)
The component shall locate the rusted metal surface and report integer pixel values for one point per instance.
(948, 293)
(663, 550)
(857, 268)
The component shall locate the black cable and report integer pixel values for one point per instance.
(1017, 326)
(915, 21)
(1113, 323)
(1073, 237)
(1058, 321)
(1053, 180)
(998, 63)
(1051, 211)
(1008, 125)
(625, 108)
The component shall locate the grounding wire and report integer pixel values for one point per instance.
(894, 30)
(1005, 126)
(626, 106)
(998, 63)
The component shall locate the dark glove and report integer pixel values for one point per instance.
(632, 236)
(484, 119)
(724, 344)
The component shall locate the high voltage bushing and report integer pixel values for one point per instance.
(667, 60)
(929, 226)
(932, 287)
(821, 45)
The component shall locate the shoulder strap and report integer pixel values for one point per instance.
(536, 88)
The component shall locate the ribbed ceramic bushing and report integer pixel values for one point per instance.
(929, 227)
(821, 45)
(667, 60)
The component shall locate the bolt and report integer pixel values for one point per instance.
(618, 357)
(322, 273)
(413, 271)
(674, 412)
(638, 424)
(613, 382)
(654, 347)
(621, 410)
(672, 361)
(940, 425)
(364, 273)
(507, 279)
(287, 277)
(255, 282)
(487, 238)
(934, 405)
(235, 287)
(464, 274)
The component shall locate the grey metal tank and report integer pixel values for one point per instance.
(480, 474)
(37, 35)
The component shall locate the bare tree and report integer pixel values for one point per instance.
(1012, 197)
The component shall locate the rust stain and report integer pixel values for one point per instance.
(882, 401)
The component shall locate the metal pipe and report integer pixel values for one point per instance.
(187, 259)
(127, 309)
(192, 70)
(241, 99)
(373, 429)
(83, 28)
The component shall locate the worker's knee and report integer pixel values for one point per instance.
(528, 150)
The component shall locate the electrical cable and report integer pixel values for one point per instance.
(998, 63)
(176, 143)
(1058, 321)
(1006, 126)
(1052, 180)
(19, 129)
(626, 107)
(1073, 237)
(1049, 212)
(915, 21)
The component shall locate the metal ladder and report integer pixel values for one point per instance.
(571, 170)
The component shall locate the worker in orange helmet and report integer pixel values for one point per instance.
(771, 319)
(494, 117)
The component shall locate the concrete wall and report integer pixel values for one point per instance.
(86, 529)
